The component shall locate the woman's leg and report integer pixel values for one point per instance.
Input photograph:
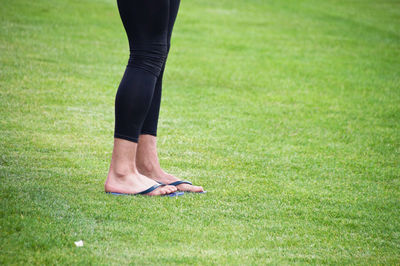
(151, 120)
(146, 25)
(147, 158)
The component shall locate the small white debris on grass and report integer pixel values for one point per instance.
(79, 243)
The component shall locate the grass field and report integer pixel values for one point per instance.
(286, 112)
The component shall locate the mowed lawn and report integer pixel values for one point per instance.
(287, 112)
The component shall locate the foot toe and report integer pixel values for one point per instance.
(172, 188)
(190, 188)
(198, 188)
(159, 191)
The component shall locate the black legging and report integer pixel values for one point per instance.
(148, 24)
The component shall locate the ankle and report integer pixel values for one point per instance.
(147, 167)
(122, 172)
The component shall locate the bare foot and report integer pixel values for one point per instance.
(157, 174)
(147, 163)
(134, 183)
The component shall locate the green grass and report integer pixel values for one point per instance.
(287, 112)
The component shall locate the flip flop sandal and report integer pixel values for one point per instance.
(150, 189)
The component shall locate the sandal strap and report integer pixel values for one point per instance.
(176, 183)
(150, 189)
